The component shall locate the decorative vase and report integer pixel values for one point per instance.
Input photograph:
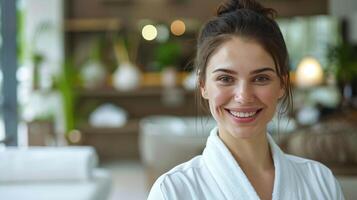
(169, 77)
(126, 77)
(108, 115)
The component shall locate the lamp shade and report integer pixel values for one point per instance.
(309, 73)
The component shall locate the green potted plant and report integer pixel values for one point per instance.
(167, 56)
(342, 60)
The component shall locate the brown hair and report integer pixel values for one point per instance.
(250, 20)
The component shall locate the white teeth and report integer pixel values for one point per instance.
(242, 114)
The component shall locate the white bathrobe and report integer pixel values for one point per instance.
(216, 175)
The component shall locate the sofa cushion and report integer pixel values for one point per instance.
(96, 189)
(47, 164)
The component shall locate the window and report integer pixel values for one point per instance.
(309, 36)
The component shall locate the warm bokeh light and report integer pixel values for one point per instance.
(178, 27)
(149, 32)
(309, 73)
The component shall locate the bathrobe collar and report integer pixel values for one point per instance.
(231, 179)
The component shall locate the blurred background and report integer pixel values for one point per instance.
(98, 96)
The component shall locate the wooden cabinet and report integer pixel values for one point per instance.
(113, 143)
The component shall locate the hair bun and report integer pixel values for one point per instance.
(235, 5)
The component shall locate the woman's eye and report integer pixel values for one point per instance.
(225, 79)
(261, 79)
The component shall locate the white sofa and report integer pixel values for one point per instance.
(52, 173)
(166, 141)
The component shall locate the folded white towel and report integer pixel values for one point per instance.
(47, 163)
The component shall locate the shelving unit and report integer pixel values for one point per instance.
(113, 143)
(122, 142)
(89, 18)
(140, 92)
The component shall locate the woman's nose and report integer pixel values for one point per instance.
(243, 94)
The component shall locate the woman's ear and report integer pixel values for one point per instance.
(203, 92)
(203, 89)
(201, 85)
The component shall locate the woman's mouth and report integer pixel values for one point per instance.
(244, 116)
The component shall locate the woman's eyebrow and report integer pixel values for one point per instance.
(257, 71)
(224, 70)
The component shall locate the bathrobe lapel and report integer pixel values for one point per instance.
(230, 178)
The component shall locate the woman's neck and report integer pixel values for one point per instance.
(255, 159)
(252, 154)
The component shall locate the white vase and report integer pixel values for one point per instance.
(169, 77)
(126, 77)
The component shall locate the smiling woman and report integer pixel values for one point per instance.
(242, 66)
(242, 88)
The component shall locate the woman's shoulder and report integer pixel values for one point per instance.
(195, 163)
(179, 181)
(309, 167)
(307, 163)
(317, 176)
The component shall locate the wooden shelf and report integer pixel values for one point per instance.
(92, 25)
(140, 92)
(113, 143)
(122, 142)
(142, 102)
(131, 126)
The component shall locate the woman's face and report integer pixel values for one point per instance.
(242, 88)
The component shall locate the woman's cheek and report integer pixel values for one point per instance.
(268, 97)
(220, 97)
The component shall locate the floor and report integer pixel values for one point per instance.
(129, 180)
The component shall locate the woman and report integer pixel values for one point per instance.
(242, 64)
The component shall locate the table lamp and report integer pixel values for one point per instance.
(309, 73)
